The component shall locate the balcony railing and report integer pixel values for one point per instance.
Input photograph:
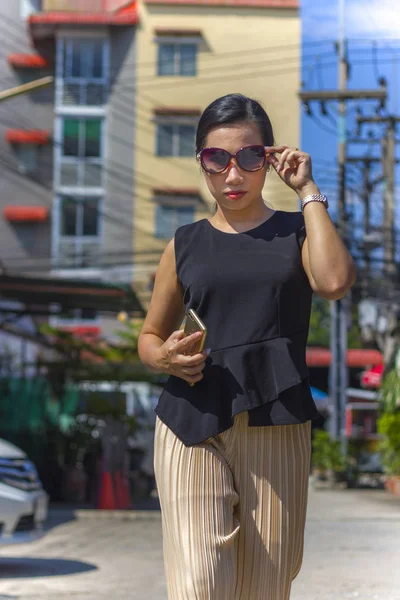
(91, 6)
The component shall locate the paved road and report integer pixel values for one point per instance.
(352, 552)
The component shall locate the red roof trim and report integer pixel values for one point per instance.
(126, 16)
(26, 214)
(28, 61)
(279, 4)
(321, 357)
(26, 136)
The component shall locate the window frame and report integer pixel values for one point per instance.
(23, 166)
(80, 160)
(178, 42)
(64, 57)
(175, 122)
(79, 240)
(174, 202)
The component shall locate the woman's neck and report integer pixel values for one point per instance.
(234, 220)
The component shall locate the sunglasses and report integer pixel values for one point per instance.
(217, 160)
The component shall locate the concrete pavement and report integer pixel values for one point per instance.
(352, 552)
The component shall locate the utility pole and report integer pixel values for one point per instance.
(339, 312)
(339, 308)
(389, 306)
(343, 72)
(388, 168)
(389, 158)
(367, 212)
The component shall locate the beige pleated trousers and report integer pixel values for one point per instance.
(233, 511)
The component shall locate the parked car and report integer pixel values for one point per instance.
(23, 501)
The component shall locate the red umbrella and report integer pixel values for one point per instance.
(372, 377)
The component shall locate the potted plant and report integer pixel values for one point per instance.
(389, 428)
(328, 463)
(389, 447)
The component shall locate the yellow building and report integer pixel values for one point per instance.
(189, 53)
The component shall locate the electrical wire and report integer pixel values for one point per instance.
(283, 60)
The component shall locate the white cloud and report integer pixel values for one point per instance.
(372, 18)
(375, 19)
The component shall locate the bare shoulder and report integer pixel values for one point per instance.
(166, 309)
(168, 260)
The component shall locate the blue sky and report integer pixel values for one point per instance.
(372, 29)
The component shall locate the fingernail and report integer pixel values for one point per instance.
(208, 351)
(278, 168)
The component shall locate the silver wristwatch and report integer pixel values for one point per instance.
(314, 198)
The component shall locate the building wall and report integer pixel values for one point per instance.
(113, 263)
(23, 246)
(34, 248)
(120, 154)
(241, 52)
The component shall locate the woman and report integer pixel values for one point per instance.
(232, 452)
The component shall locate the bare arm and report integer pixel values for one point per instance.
(326, 260)
(162, 347)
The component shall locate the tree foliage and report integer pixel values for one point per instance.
(320, 325)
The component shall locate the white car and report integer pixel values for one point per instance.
(23, 501)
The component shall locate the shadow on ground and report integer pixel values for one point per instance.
(17, 568)
(58, 515)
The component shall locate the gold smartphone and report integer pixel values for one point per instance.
(194, 323)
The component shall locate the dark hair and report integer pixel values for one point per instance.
(233, 108)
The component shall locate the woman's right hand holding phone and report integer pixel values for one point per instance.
(176, 357)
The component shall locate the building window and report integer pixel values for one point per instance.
(27, 156)
(169, 218)
(174, 208)
(81, 151)
(78, 231)
(82, 71)
(79, 217)
(175, 139)
(177, 58)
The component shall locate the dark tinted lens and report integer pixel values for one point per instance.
(215, 160)
(251, 158)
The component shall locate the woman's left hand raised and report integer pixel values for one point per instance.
(292, 165)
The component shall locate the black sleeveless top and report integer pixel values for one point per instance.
(252, 293)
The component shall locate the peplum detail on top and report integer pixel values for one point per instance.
(235, 379)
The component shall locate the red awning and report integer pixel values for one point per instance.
(25, 214)
(321, 357)
(372, 378)
(26, 136)
(28, 61)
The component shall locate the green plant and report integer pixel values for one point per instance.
(390, 391)
(319, 333)
(326, 455)
(389, 446)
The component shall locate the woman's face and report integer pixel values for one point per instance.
(223, 186)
